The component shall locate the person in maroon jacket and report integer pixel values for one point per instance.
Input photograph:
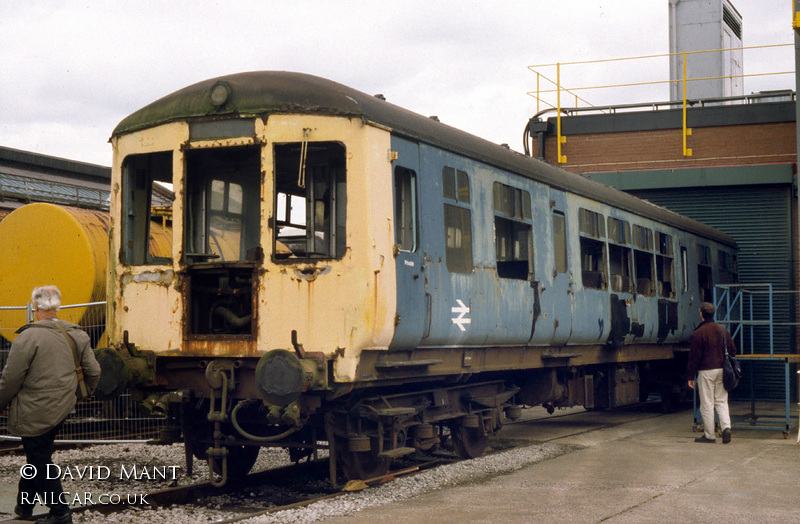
(709, 342)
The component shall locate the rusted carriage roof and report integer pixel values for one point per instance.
(266, 92)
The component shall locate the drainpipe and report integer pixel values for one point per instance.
(797, 162)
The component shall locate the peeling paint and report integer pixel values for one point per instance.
(163, 277)
(311, 273)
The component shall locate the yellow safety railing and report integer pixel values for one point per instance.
(558, 88)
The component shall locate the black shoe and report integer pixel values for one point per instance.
(64, 518)
(705, 440)
(24, 513)
(726, 435)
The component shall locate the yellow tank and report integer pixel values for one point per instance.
(64, 246)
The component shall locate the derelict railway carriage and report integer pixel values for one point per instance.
(346, 271)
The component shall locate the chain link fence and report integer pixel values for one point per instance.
(92, 420)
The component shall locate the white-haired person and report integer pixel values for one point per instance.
(39, 386)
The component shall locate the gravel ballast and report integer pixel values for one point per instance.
(120, 470)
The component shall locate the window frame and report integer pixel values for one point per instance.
(136, 248)
(619, 243)
(239, 165)
(512, 212)
(643, 257)
(322, 234)
(594, 254)
(560, 250)
(406, 214)
(457, 220)
(665, 265)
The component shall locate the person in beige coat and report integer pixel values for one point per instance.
(38, 386)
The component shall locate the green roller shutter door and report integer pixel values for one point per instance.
(759, 218)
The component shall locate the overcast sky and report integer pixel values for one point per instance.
(70, 70)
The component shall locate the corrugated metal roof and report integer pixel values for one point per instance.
(28, 190)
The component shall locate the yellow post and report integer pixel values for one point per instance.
(686, 130)
(537, 92)
(561, 139)
(795, 16)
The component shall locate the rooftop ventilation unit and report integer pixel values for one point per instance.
(705, 25)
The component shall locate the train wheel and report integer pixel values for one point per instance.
(241, 460)
(362, 464)
(469, 442)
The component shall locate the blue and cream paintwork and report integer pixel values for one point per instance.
(377, 299)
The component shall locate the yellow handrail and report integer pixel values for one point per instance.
(686, 130)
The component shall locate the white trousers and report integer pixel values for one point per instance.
(712, 395)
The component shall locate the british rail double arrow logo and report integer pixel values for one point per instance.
(460, 320)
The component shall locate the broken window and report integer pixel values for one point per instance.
(310, 200)
(223, 190)
(147, 209)
(665, 265)
(727, 268)
(222, 225)
(619, 255)
(705, 276)
(405, 209)
(560, 241)
(593, 247)
(457, 220)
(512, 229)
(643, 260)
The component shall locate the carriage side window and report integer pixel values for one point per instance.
(147, 209)
(512, 228)
(643, 260)
(223, 193)
(619, 255)
(560, 241)
(457, 220)
(704, 274)
(593, 248)
(405, 209)
(727, 268)
(665, 265)
(684, 269)
(310, 200)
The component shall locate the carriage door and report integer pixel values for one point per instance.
(557, 301)
(413, 304)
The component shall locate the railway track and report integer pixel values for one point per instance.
(301, 485)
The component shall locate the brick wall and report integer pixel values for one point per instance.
(663, 149)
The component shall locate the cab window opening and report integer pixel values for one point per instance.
(147, 209)
(310, 200)
(223, 188)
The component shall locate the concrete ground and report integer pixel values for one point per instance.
(645, 468)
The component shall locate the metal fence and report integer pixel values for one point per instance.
(92, 420)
